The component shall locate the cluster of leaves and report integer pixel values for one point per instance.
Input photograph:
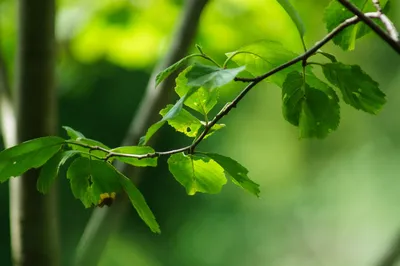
(308, 102)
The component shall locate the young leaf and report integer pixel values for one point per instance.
(139, 203)
(263, 56)
(335, 14)
(358, 89)
(237, 172)
(171, 69)
(211, 77)
(171, 114)
(197, 173)
(291, 11)
(73, 134)
(30, 154)
(139, 150)
(202, 100)
(91, 178)
(49, 171)
(314, 110)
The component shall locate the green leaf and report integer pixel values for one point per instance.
(171, 69)
(139, 150)
(171, 114)
(358, 89)
(139, 203)
(197, 173)
(91, 178)
(237, 172)
(202, 100)
(30, 154)
(329, 56)
(185, 122)
(336, 13)
(291, 11)
(315, 110)
(211, 77)
(49, 171)
(73, 134)
(263, 56)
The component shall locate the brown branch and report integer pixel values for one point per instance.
(104, 221)
(393, 42)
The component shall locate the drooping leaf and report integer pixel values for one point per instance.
(263, 56)
(329, 56)
(185, 122)
(139, 203)
(139, 150)
(171, 69)
(336, 13)
(202, 100)
(197, 173)
(315, 111)
(91, 178)
(211, 77)
(73, 134)
(358, 88)
(171, 114)
(30, 154)
(291, 11)
(49, 171)
(237, 172)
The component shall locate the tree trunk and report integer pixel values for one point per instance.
(34, 235)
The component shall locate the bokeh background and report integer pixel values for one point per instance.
(323, 202)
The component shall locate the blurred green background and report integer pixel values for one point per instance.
(323, 202)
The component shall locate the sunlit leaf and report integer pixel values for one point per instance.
(73, 134)
(358, 88)
(185, 122)
(49, 171)
(139, 150)
(211, 77)
(171, 69)
(315, 111)
(197, 173)
(30, 154)
(237, 172)
(291, 11)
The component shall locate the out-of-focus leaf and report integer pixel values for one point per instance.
(171, 69)
(291, 11)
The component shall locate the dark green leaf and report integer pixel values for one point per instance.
(73, 134)
(30, 154)
(236, 171)
(202, 100)
(196, 173)
(139, 203)
(91, 178)
(315, 110)
(263, 56)
(49, 171)
(139, 150)
(211, 77)
(358, 89)
(291, 11)
(329, 56)
(171, 69)
(336, 13)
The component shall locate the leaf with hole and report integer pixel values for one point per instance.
(30, 154)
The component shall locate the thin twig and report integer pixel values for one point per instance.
(393, 42)
(386, 21)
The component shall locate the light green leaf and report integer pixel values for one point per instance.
(197, 173)
(211, 77)
(237, 172)
(91, 178)
(263, 56)
(291, 11)
(185, 122)
(49, 171)
(358, 89)
(139, 203)
(171, 114)
(202, 100)
(315, 110)
(30, 154)
(336, 13)
(73, 134)
(139, 150)
(171, 69)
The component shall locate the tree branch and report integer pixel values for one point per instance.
(393, 42)
(386, 21)
(104, 221)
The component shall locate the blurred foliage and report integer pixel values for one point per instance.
(329, 202)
